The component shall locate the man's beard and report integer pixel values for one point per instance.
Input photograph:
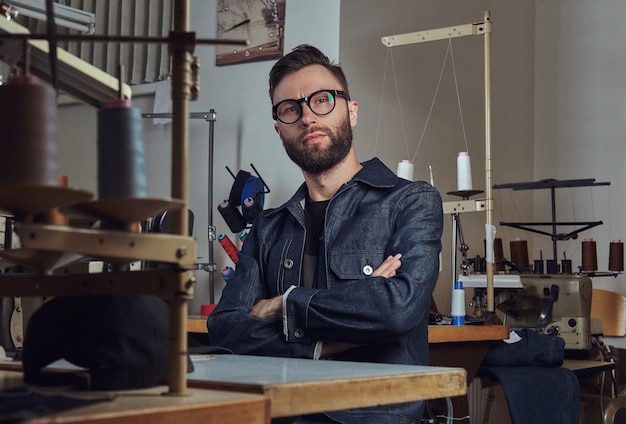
(316, 159)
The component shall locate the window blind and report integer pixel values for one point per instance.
(142, 62)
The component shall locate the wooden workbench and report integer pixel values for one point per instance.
(436, 333)
(303, 386)
(152, 406)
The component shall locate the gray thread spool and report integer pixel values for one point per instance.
(28, 147)
(121, 160)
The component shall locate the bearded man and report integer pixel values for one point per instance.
(346, 268)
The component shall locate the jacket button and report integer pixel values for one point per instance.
(288, 263)
(299, 333)
(368, 270)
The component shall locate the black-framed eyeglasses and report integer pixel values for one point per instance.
(321, 103)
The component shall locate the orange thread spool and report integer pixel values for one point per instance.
(589, 255)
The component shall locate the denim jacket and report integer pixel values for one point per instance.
(374, 215)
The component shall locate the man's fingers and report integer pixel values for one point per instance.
(388, 268)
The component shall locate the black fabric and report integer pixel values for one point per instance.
(534, 349)
(537, 389)
(539, 395)
(23, 404)
(123, 341)
(314, 215)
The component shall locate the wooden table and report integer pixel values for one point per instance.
(461, 346)
(449, 346)
(445, 341)
(303, 386)
(152, 406)
(585, 368)
(197, 324)
(466, 333)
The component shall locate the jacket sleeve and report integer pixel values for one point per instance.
(231, 326)
(363, 310)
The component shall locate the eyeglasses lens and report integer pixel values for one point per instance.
(320, 102)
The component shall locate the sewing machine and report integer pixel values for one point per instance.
(558, 304)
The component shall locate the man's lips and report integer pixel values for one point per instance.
(313, 137)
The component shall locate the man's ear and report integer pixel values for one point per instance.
(277, 130)
(353, 110)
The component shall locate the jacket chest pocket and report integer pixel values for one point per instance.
(354, 265)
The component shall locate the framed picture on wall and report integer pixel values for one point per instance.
(261, 22)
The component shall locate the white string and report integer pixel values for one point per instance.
(432, 105)
(458, 97)
(395, 79)
(380, 107)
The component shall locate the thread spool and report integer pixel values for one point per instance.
(538, 266)
(457, 310)
(616, 257)
(242, 236)
(227, 273)
(251, 209)
(589, 256)
(463, 172)
(55, 216)
(231, 216)
(121, 159)
(551, 266)
(405, 169)
(566, 266)
(229, 247)
(28, 117)
(519, 253)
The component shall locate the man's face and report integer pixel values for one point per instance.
(315, 143)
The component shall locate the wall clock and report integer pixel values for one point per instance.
(261, 22)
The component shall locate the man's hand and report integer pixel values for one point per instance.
(269, 309)
(388, 268)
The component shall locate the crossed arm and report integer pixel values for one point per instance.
(271, 309)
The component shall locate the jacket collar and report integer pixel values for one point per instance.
(374, 173)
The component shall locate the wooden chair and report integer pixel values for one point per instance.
(610, 308)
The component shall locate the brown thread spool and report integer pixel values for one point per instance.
(519, 253)
(616, 257)
(28, 120)
(589, 256)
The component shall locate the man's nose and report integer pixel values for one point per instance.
(308, 116)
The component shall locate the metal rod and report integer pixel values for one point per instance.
(211, 227)
(181, 94)
(210, 117)
(127, 39)
(488, 158)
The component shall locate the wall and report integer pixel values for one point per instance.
(396, 89)
(244, 130)
(579, 134)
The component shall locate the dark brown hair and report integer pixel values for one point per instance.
(300, 57)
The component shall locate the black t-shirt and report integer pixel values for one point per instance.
(314, 214)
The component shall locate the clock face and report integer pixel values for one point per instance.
(261, 22)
